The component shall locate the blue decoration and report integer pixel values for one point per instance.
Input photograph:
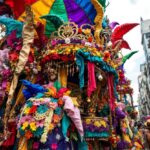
(32, 89)
(81, 55)
(88, 7)
(82, 145)
(65, 125)
(38, 132)
(58, 111)
(42, 109)
(12, 25)
(80, 64)
(89, 134)
(29, 104)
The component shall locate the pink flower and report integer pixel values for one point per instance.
(35, 145)
(54, 146)
(40, 123)
(53, 42)
(26, 119)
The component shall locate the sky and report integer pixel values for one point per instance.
(130, 11)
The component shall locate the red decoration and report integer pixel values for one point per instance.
(11, 139)
(124, 44)
(33, 109)
(21, 3)
(79, 30)
(121, 30)
(90, 39)
(13, 56)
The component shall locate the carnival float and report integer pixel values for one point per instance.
(62, 77)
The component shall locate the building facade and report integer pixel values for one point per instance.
(144, 78)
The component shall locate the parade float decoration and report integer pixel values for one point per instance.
(62, 76)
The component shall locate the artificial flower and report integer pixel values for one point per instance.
(33, 126)
(51, 91)
(88, 121)
(53, 105)
(79, 30)
(58, 111)
(60, 102)
(40, 123)
(56, 118)
(33, 109)
(42, 109)
(25, 125)
(103, 123)
(54, 146)
(51, 127)
(74, 100)
(13, 56)
(22, 132)
(26, 119)
(26, 111)
(97, 123)
(28, 134)
(58, 136)
(38, 132)
(29, 104)
(36, 145)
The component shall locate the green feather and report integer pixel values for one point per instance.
(56, 17)
(126, 57)
(103, 3)
(53, 23)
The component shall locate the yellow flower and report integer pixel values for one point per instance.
(33, 126)
(97, 123)
(103, 123)
(74, 100)
(126, 138)
(88, 121)
(25, 125)
(26, 111)
(39, 68)
(67, 93)
(51, 127)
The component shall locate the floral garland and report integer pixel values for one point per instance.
(37, 115)
(96, 128)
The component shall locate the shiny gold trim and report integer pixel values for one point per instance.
(98, 20)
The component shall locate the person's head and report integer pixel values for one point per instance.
(52, 74)
(147, 124)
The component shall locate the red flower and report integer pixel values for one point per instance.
(54, 146)
(79, 30)
(33, 109)
(28, 134)
(31, 58)
(13, 56)
(60, 102)
(90, 39)
(56, 118)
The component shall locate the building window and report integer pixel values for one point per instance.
(147, 35)
(148, 43)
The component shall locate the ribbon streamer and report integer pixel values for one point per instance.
(91, 78)
(111, 92)
(28, 37)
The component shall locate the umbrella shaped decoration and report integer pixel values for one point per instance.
(80, 12)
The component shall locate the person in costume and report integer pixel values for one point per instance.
(147, 134)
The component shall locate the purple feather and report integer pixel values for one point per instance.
(112, 25)
(122, 145)
(75, 13)
(120, 114)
